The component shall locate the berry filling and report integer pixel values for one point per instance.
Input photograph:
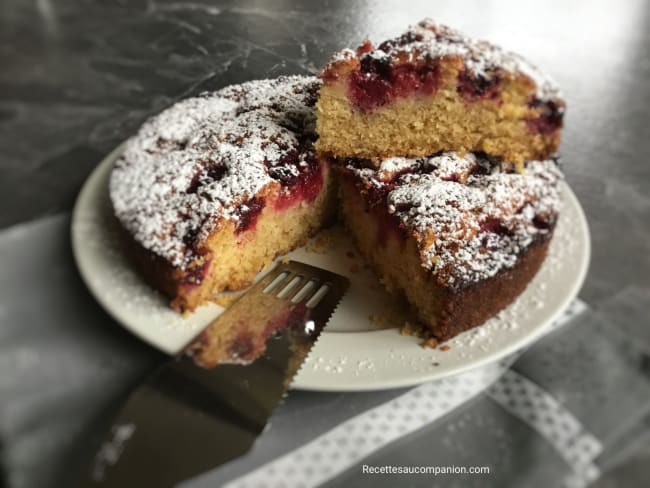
(243, 346)
(378, 83)
(542, 223)
(249, 344)
(473, 88)
(303, 187)
(369, 90)
(550, 118)
(291, 318)
(193, 277)
(408, 79)
(212, 172)
(387, 223)
(248, 214)
(494, 226)
(404, 39)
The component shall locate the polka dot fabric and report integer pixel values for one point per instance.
(336, 450)
(542, 412)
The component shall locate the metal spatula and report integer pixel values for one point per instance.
(208, 405)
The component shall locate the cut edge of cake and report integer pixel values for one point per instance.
(433, 89)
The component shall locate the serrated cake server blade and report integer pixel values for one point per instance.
(208, 405)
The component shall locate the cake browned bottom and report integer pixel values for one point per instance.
(444, 311)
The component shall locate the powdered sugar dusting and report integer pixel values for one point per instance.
(390, 166)
(199, 161)
(430, 40)
(471, 216)
(482, 58)
(343, 55)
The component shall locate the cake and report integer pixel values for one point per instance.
(460, 237)
(433, 89)
(212, 189)
(437, 151)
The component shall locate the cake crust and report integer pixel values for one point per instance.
(473, 305)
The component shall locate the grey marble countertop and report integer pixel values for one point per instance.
(76, 78)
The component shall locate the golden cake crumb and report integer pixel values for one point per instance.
(320, 244)
(226, 299)
(430, 343)
(410, 329)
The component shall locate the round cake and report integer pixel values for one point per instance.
(212, 189)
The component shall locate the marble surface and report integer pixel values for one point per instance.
(79, 77)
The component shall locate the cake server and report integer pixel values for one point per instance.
(199, 410)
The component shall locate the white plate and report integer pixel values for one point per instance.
(354, 353)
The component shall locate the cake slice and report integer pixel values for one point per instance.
(460, 237)
(433, 89)
(215, 187)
